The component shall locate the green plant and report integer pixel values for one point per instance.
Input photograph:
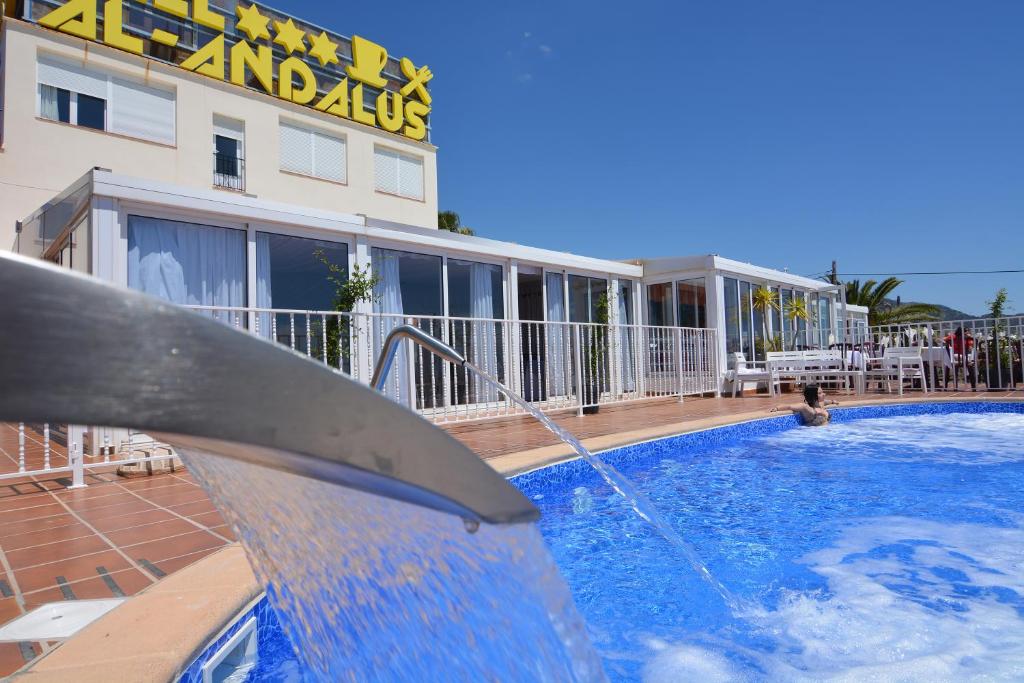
(595, 350)
(882, 311)
(796, 309)
(450, 221)
(998, 354)
(349, 290)
(765, 300)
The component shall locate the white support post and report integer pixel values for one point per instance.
(578, 362)
(21, 446)
(679, 361)
(76, 434)
(46, 445)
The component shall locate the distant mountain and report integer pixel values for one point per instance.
(945, 312)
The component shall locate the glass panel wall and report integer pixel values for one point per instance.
(732, 315)
(692, 295)
(659, 305)
(776, 316)
(588, 299)
(187, 263)
(294, 273)
(745, 323)
(475, 291)
(408, 284)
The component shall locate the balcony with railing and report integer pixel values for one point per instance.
(229, 171)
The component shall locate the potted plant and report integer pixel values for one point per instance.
(997, 349)
(595, 348)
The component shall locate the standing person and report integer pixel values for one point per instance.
(812, 410)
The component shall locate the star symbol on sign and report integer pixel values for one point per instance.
(252, 22)
(289, 36)
(323, 49)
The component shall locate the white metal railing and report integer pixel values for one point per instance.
(555, 365)
(983, 353)
(44, 449)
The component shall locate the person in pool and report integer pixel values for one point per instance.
(813, 409)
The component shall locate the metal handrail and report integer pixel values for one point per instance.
(417, 336)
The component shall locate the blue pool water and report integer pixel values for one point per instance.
(886, 546)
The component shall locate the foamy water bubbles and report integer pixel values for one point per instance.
(907, 600)
(957, 438)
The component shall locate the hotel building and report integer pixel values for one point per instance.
(228, 157)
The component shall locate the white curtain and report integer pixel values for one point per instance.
(48, 103)
(185, 263)
(263, 285)
(483, 351)
(387, 299)
(626, 332)
(557, 338)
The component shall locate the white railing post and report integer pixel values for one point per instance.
(578, 362)
(679, 362)
(46, 445)
(76, 435)
(21, 446)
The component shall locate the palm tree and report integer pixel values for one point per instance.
(450, 221)
(766, 300)
(796, 309)
(874, 295)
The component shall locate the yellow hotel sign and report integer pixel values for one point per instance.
(274, 55)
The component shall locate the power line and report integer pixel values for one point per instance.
(926, 272)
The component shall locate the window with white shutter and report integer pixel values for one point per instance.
(141, 111)
(89, 98)
(397, 173)
(312, 152)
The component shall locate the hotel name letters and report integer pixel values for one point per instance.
(247, 58)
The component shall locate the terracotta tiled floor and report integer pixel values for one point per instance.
(119, 535)
(113, 538)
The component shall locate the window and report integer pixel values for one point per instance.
(186, 263)
(693, 310)
(475, 291)
(659, 305)
(312, 153)
(588, 299)
(58, 104)
(228, 153)
(745, 323)
(91, 99)
(732, 314)
(291, 274)
(399, 174)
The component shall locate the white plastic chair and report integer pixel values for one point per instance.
(744, 371)
(898, 363)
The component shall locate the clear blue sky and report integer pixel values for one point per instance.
(888, 135)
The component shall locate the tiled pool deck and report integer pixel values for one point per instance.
(121, 534)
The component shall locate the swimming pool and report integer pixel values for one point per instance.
(889, 544)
